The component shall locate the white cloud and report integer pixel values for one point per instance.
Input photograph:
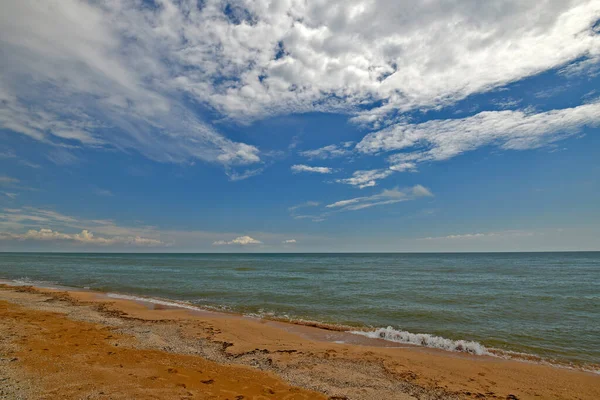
(31, 226)
(36, 222)
(289, 241)
(313, 218)
(5, 180)
(84, 237)
(241, 240)
(239, 176)
(438, 140)
(331, 151)
(7, 154)
(404, 166)
(506, 103)
(470, 236)
(367, 178)
(587, 67)
(95, 74)
(61, 156)
(307, 168)
(103, 192)
(335, 58)
(10, 195)
(115, 73)
(308, 204)
(385, 197)
(29, 164)
(303, 205)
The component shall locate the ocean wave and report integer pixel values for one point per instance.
(25, 281)
(152, 300)
(425, 340)
(388, 334)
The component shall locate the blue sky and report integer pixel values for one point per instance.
(287, 126)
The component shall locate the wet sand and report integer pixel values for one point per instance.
(81, 344)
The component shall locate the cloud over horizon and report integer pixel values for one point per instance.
(84, 237)
(240, 241)
(239, 123)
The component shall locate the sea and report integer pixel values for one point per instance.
(535, 306)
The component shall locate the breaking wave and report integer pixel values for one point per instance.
(426, 340)
(25, 281)
(152, 300)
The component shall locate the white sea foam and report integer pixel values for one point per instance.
(25, 281)
(154, 301)
(425, 339)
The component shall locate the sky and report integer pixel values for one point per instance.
(299, 126)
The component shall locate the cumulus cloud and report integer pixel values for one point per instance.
(385, 197)
(307, 168)
(29, 223)
(267, 58)
(241, 241)
(120, 74)
(295, 56)
(438, 140)
(84, 237)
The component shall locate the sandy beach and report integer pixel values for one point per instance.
(84, 345)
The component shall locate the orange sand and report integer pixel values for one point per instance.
(84, 345)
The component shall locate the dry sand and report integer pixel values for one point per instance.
(83, 345)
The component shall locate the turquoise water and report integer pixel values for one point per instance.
(545, 304)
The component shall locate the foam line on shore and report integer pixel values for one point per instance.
(389, 334)
(153, 300)
(425, 340)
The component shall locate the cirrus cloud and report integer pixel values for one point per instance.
(331, 151)
(438, 140)
(307, 168)
(81, 73)
(388, 196)
(368, 178)
(479, 235)
(124, 75)
(6, 180)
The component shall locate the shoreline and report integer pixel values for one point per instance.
(308, 357)
(350, 334)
